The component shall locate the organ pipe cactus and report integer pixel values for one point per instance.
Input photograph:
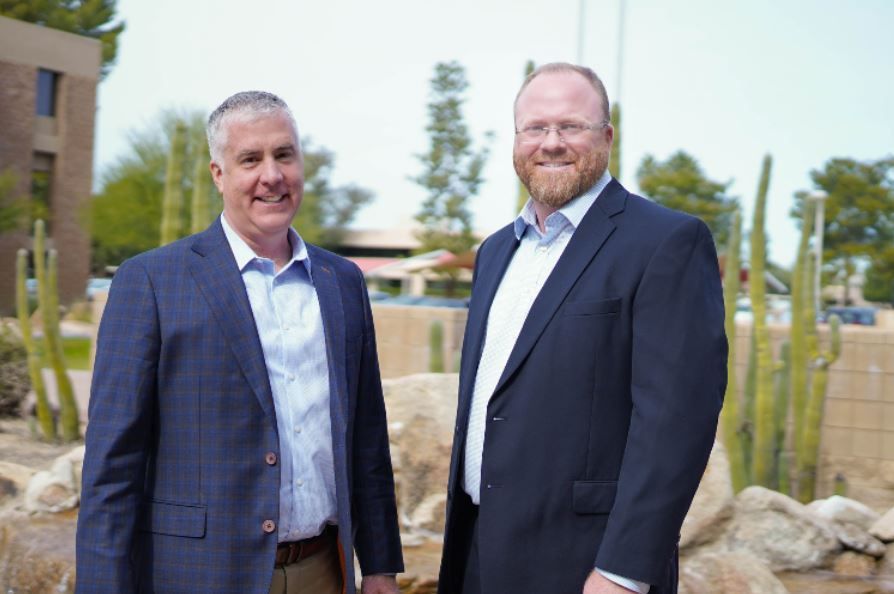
(172, 203)
(782, 385)
(68, 407)
(802, 286)
(762, 456)
(436, 347)
(44, 414)
(200, 216)
(730, 419)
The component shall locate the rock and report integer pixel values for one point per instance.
(885, 566)
(421, 411)
(780, 531)
(713, 503)
(727, 573)
(883, 529)
(37, 553)
(842, 509)
(856, 539)
(851, 563)
(57, 489)
(13, 480)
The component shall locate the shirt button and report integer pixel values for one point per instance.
(291, 378)
(299, 482)
(297, 428)
(270, 458)
(269, 526)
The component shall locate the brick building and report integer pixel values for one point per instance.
(48, 84)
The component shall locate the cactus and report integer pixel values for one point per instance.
(730, 417)
(68, 407)
(762, 455)
(614, 163)
(200, 216)
(802, 285)
(44, 414)
(436, 347)
(781, 399)
(172, 203)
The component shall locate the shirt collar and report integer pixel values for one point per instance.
(573, 211)
(244, 254)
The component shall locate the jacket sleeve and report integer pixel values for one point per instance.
(377, 539)
(120, 414)
(678, 378)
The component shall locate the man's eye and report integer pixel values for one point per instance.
(573, 128)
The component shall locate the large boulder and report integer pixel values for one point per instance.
(728, 573)
(844, 510)
(883, 528)
(37, 553)
(853, 564)
(421, 411)
(14, 480)
(713, 503)
(859, 540)
(780, 531)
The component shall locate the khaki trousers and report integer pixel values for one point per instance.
(318, 574)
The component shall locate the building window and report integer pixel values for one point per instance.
(47, 83)
(41, 187)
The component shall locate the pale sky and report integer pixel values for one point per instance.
(804, 80)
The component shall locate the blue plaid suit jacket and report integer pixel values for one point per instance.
(176, 482)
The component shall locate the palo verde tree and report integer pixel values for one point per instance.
(680, 183)
(452, 168)
(91, 18)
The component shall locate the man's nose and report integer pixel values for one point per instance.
(552, 141)
(270, 172)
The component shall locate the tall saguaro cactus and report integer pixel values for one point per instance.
(730, 418)
(172, 203)
(44, 414)
(762, 457)
(200, 216)
(802, 288)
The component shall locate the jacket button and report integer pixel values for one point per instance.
(268, 526)
(270, 458)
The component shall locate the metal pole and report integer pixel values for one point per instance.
(619, 73)
(581, 11)
(820, 199)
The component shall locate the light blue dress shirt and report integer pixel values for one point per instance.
(290, 326)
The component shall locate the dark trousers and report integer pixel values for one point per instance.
(471, 583)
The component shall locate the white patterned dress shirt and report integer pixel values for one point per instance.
(290, 326)
(533, 261)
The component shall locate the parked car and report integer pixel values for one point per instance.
(425, 300)
(97, 284)
(862, 316)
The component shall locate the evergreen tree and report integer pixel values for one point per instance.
(91, 18)
(680, 183)
(451, 167)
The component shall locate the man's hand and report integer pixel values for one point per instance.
(378, 584)
(599, 584)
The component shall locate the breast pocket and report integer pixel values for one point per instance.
(600, 307)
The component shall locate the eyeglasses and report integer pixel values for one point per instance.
(566, 131)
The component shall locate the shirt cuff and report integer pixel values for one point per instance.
(632, 585)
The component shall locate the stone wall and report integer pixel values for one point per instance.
(402, 336)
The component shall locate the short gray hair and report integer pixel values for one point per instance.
(245, 103)
(587, 73)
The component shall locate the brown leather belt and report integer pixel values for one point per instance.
(292, 552)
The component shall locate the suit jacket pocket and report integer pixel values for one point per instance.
(601, 307)
(173, 519)
(593, 497)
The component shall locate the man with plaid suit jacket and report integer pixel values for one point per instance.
(237, 437)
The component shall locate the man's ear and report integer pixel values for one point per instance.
(216, 174)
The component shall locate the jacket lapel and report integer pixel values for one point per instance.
(588, 239)
(215, 272)
(488, 276)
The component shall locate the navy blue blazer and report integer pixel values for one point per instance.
(178, 479)
(601, 424)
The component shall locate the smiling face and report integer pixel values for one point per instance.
(556, 170)
(260, 177)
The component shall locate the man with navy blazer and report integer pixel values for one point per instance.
(237, 437)
(593, 370)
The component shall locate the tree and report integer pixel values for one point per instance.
(325, 210)
(451, 167)
(91, 18)
(13, 209)
(859, 217)
(680, 183)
